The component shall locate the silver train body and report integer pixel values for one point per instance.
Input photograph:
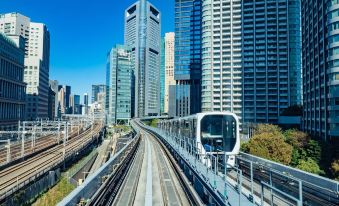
(212, 134)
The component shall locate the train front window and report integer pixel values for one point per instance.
(218, 133)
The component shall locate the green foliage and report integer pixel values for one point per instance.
(292, 147)
(154, 123)
(335, 169)
(271, 146)
(309, 165)
(267, 128)
(244, 146)
(123, 128)
(296, 138)
(313, 150)
(55, 194)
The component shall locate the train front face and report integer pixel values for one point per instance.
(219, 133)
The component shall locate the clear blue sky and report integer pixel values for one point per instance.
(82, 32)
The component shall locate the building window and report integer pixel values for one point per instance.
(336, 101)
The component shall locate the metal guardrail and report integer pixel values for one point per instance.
(224, 192)
(309, 178)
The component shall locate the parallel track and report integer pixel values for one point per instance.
(41, 144)
(14, 177)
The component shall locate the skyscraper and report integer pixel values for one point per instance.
(85, 99)
(169, 67)
(142, 36)
(96, 89)
(271, 54)
(76, 106)
(120, 84)
(12, 86)
(64, 99)
(221, 56)
(320, 63)
(51, 103)
(186, 96)
(37, 46)
(162, 76)
(53, 84)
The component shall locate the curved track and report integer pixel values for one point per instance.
(153, 178)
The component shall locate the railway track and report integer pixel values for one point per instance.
(41, 143)
(16, 176)
(153, 178)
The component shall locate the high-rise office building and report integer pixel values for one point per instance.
(221, 56)
(64, 95)
(12, 86)
(53, 84)
(169, 67)
(96, 89)
(85, 99)
(37, 46)
(120, 84)
(162, 76)
(320, 63)
(142, 36)
(51, 103)
(76, 106)
(61, 101)
(185, 97)
(271, 54)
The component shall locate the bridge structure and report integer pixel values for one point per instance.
(41, 146)
(157, 168)
(251, 181)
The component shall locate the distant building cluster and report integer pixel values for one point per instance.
(133, 69)
(26, 93)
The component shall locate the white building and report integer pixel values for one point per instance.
(221, 56)
(169, 66)
(36, 75)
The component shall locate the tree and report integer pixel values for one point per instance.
(267, 128)
(271, 146)
(313, 150)
(154, 123)
(244, 146)
(297, 139)
(335, 169)
(309, 165)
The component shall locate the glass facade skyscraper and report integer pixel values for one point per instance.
(12, 86)
(120, 85)
(187, 66)
(320, 63)
(97, 89)
(142, 36)
(271, 53)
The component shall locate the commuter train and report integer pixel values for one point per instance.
(214, 133)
